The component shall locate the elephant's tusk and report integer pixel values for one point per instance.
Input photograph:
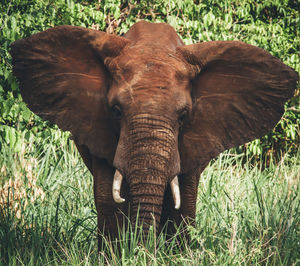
(116, 188)
(176, 192)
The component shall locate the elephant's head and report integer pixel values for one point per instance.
(151, 106)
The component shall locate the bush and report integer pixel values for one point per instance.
(271, 25)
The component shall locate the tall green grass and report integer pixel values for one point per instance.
(246, 214)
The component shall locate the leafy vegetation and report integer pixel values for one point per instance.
(246, 215)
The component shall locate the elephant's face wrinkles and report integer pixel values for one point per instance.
(153, 89)
(144, 108)
(142, 84)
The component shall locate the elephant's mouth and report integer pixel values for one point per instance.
(117, 183)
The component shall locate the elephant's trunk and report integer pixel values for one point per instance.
(152, 161)
(147, 198)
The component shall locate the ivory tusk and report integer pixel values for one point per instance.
(116, 187)
(176, 192)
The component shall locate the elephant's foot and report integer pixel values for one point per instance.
(176, 222)
(110, 229)
(111, 215)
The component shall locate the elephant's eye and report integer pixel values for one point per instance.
(182, 115)
(116, 111)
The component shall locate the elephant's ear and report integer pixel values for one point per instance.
(238, 93)
(63, 79)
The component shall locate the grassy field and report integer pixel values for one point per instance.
(245, 214)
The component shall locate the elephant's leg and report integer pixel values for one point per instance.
(173, 218)
(110, 214)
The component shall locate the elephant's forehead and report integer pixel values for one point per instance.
(145, 78)
(151, 60)
(155, 87)
(151, 70)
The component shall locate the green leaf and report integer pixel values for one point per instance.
(13, 23)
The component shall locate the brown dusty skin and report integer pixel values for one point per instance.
(150, 107)
(150, 151)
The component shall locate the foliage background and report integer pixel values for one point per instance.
(245, 214)
(272, 25)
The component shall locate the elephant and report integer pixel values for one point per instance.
(147, 112)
